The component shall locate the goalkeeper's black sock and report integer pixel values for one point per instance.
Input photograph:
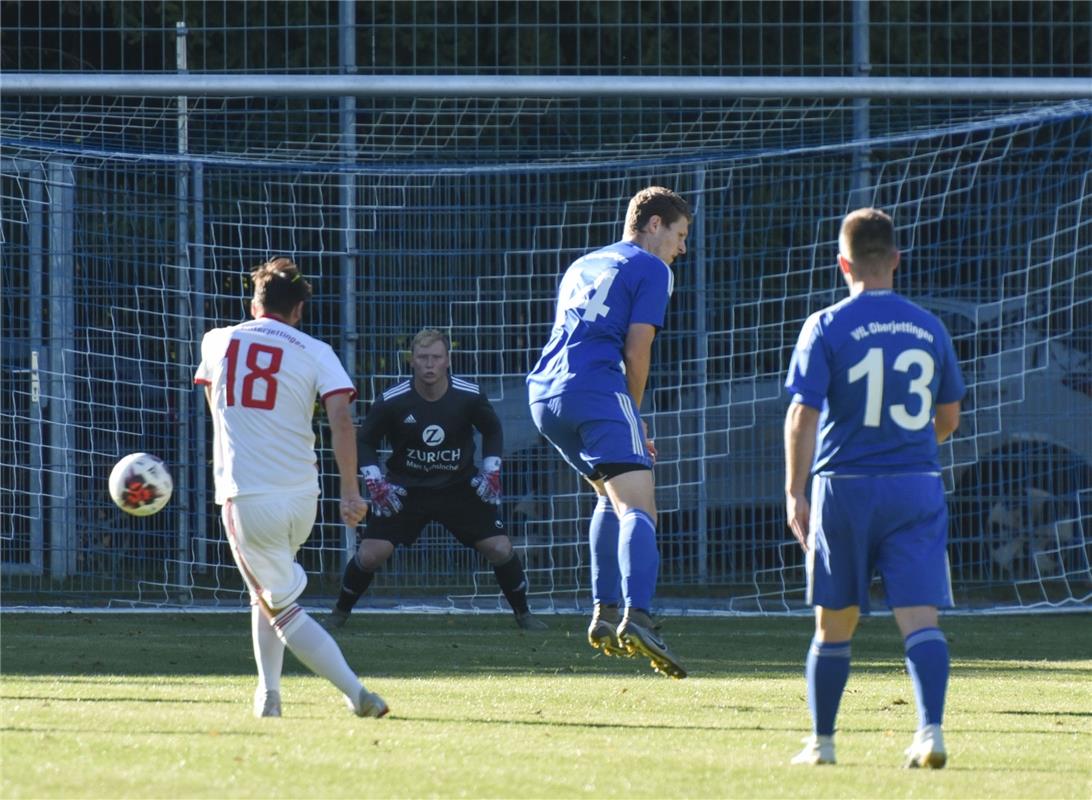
(354, 583)
(513, 582)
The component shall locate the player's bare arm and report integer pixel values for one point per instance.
(947, 420)
(801, 423)
(637, 356)
(353, 506)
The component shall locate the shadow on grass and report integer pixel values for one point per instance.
(395, 719)
(418, 646)
(99, 733)
(197, 701)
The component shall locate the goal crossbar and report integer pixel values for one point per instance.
(569, 86)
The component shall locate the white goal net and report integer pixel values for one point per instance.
(461, 214)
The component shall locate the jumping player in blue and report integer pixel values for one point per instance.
(585, 394)
(876, 376)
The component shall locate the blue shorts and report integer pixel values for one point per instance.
(593, 428)
(896, 525)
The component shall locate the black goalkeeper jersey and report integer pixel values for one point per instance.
(432, 441)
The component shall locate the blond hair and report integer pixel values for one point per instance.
(427, 336)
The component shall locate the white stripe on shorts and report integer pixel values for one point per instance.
(877, 475)
(636, 435)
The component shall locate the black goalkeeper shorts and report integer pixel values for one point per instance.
(458, 508)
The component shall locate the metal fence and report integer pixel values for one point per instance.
(128, 223)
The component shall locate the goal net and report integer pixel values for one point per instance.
(123, 243)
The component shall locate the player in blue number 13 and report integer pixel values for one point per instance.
(585, 394)
(877, 378)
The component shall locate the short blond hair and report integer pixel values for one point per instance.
(427, 336)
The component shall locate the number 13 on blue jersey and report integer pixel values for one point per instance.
(871, 369)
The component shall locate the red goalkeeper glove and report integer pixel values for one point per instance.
(386, 497)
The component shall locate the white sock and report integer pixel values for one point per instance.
(316, 649)
(268, 651)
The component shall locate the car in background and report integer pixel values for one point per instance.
(1018, 470)
(1022, 459)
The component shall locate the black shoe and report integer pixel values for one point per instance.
(529, 622)
(334, 620)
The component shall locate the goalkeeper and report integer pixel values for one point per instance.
(429, 422)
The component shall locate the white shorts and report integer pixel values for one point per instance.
(265, 531)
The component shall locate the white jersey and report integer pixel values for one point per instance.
(264, 375)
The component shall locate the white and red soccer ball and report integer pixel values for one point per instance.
(140, 484)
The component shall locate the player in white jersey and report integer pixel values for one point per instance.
(261, 378)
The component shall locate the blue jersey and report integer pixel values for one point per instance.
(601, 295)
(876, 365)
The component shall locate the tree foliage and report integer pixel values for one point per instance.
(1029, 38)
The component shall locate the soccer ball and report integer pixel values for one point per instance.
(140, 484)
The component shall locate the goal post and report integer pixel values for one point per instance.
(459, 210)
(548, 86)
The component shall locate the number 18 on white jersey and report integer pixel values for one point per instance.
(264, 375)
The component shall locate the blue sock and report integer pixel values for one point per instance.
(638, 558)
(827, 670)
(606, 579)
(927, 663)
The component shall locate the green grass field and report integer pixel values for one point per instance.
(159, 706)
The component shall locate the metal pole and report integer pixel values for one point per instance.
(861, 187)
(592, 86)
(702, 378)
(183, 313)
(35, 219)
(62, 335)
(200, 435)
(347, 202)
